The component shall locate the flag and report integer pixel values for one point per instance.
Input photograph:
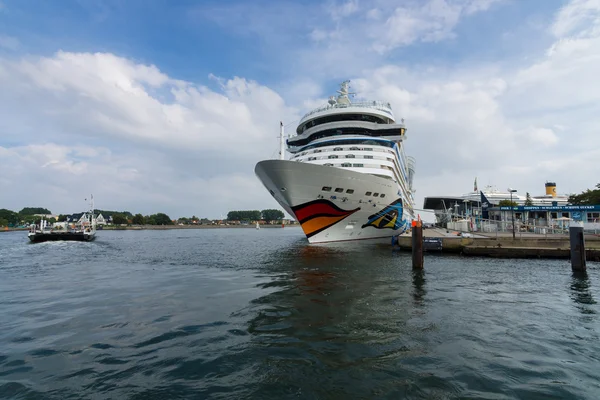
(485, 204)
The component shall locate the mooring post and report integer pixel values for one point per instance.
(577, 242)
(417, 244)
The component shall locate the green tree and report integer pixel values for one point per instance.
(119, 219)
(247, 215)
(62, 218)
(138, 219)
(272, 215)
(507, 203)
(30, 219)
(149, 219)
(162, 219)
(34, 210)
(528, 201)
(3, 222)
(10, 216)
(587, 197)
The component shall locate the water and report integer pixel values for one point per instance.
(241, 313)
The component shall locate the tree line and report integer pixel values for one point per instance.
(268, 215)
(27, 216)
(587, 197)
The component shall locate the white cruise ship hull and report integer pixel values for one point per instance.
(330, 216)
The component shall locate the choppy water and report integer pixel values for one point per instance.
(240, 313)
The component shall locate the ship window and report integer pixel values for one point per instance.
(358, 165)
(368, 149)
(382, 195)
(375, 194)
(350, 191)
(368, 194)
(369, 157)
(349, 155)
(337, 149)
(312, 158)
(593, 217)
(553, 215)
(326, 188)
(332, 157)
(354, 148)
(317, 151)
(328, 165)
(346, 164)
(339, 190)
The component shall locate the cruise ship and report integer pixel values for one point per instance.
(348, 177)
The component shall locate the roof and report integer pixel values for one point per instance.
(442, 202)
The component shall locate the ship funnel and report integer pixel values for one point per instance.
(551, 189)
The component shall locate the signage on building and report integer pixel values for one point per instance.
(432, 244)
(548, 208)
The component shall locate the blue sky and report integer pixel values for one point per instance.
(184, 97)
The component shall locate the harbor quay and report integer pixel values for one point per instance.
(501, 245)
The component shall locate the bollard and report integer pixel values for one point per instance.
(417, 244)
(577, 242)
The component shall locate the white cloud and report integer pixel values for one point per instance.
(196, 142)
(393, 24)
(147, 141)
(343, 10)
(578, 18)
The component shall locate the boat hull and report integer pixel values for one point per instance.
(66, 236)
(330, 216)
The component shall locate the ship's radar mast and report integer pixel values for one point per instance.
(344, 93)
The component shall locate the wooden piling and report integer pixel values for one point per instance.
(577, 242)
(417, 244)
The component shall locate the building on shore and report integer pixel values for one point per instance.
(555, 217)
(547, 210)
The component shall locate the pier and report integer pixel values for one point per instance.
(442, 241)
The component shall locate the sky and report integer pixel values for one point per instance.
(166, 106)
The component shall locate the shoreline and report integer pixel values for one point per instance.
(165, 227)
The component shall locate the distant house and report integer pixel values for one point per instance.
(100, 220)
(47, 215)
(74, 218)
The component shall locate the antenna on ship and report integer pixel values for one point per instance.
(281, 142)
(344, 93)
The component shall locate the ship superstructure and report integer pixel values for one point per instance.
(348, 176)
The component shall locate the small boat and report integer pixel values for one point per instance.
(83, 230)
(257, 225)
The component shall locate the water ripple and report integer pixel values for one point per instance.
(239, 313)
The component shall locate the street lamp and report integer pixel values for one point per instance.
(512, 208)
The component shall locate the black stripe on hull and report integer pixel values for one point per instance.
(53, 237)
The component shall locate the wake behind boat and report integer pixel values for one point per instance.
(348, 177)
(83, 230)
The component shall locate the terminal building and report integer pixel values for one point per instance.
(476, 208)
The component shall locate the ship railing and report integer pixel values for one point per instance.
(411, 163)
(499, 228)
(378, 105)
